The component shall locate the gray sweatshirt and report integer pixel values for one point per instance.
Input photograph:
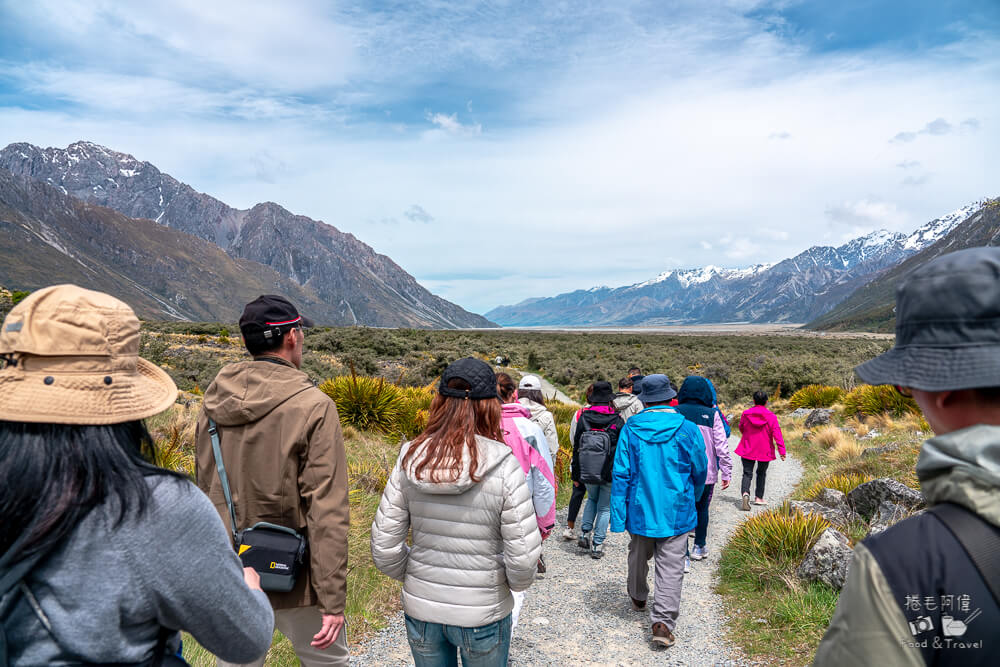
(107, 591)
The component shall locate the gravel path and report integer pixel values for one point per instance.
(578, 612)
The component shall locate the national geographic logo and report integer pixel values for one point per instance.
(279, 566)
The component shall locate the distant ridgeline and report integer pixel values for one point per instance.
(105, 220)
(821, 285)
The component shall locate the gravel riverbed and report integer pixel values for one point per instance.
(578, 612)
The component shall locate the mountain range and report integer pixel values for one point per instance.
(344, 279)
(800, 289)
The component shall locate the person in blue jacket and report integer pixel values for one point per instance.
(659, 472)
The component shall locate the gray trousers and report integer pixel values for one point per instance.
(668, 553)
(299, 626)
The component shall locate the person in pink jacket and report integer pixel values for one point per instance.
(760, 433)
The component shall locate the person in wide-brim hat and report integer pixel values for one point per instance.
(99, 545)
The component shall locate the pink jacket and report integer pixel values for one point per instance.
(760, 432)
(527, 441)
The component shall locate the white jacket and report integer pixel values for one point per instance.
(473, 543)
(543, 418)
(627, 405)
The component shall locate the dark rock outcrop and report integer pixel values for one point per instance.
(818, 417)
(866, 498)
(828, 560)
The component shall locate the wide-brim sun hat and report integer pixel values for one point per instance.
(656, 389)
(72, 357)
(947, 326)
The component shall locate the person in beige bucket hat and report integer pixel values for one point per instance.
(103, 555)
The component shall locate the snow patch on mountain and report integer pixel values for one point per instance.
(937, 229)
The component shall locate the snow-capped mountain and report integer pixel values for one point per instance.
(798, 289)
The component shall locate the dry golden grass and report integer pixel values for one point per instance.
(793, 431)
(847, 449)
(830, 437)
(883, 423)
(859, 426)
(912, 422)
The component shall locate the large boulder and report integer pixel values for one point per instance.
(832, 498)
(799, 413)
(837, 516)
(887, 514)
(818, 417)
(866, 498)
(828, 560)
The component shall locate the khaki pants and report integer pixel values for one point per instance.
(668, 554)
(300, 626)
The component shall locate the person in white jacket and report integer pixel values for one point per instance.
(529, 394)
(475, 536)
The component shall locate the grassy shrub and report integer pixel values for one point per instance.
(848, 449)
(562, 412)
(815, 396)
(830, 437)
(845, 483)
(173, 437)
(366, 403)
(413, 418)
(776, 538)
(877, 400)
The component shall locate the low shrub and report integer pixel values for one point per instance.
(562, 412)
(366, 403)
(877, 400)
(771, 542)
(830, 437)
(845, 483)
(847, 449)
(815, 396)
(413, 418)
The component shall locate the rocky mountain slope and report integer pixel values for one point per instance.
(799, 289)
(870, 308)
(47, 237)
(361, 286)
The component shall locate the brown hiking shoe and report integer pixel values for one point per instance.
(746, 502)
(637, 605)
(662, 635)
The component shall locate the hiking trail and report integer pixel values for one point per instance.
(578, 612)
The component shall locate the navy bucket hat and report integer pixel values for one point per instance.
(656, 388)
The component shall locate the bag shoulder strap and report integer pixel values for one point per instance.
(980, 540)
(213, 432)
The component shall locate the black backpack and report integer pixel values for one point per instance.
(594, 449)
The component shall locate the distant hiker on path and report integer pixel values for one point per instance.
(625, 401)
(659, 473)
(759, 434)
(697, 403)
(594, 432)
(104, 556)
(475, 537)
(927, 590)
(529, 394)
(284, 458)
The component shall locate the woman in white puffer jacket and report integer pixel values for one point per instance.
(475, 537)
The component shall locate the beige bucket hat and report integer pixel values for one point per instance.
(73, 358)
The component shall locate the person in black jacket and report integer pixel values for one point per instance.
(925, 590)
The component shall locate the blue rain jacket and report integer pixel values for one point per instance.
(659, 471)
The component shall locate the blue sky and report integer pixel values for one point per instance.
(504, 150)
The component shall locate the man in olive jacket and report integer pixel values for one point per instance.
(924, 591)
(284, 455)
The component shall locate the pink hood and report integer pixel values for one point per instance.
(760, 433)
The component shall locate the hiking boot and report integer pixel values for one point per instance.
(569, 535)
(662, 635)
(746, 502)
(541, 564)
(687, 564)
(638, 605)
(697, 553)
(584, 541)
(597, 551)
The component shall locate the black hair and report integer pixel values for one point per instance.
(532, 395)
(257, 345)
(635, 370)
(760, 397)
(54, 474)
(625, 383)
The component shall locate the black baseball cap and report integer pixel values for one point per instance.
(481, 378)
(270, 315)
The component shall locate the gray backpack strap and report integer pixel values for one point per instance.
(213, 432)
(979, 539)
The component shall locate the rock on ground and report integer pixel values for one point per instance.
(818, 417)
(866, 498)
(837, 516)
(579, 611)
(828, 560)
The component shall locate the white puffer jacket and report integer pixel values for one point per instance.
(473, 543)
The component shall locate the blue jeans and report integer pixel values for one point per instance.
(437, 645)
(597, 513)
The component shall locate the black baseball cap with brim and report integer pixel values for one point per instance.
(269, 316)
(477, 373)
(947, 326)
(656, 389)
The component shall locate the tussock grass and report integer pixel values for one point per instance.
(858, 425)
(366, 403)
(830, 437)
(815, 396)
(848, 449)
(879, 400)
(845, 483)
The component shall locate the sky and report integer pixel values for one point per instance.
(506, 150)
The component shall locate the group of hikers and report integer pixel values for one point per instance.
(104, 556)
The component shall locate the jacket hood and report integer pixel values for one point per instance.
(534, 409)
(696, 389)
(655, 425)
(963, 467)
(490, 455)
(757, 415)
(248, 390)
(623, 399)
(516, 410)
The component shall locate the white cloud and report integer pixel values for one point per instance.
(450, 124)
